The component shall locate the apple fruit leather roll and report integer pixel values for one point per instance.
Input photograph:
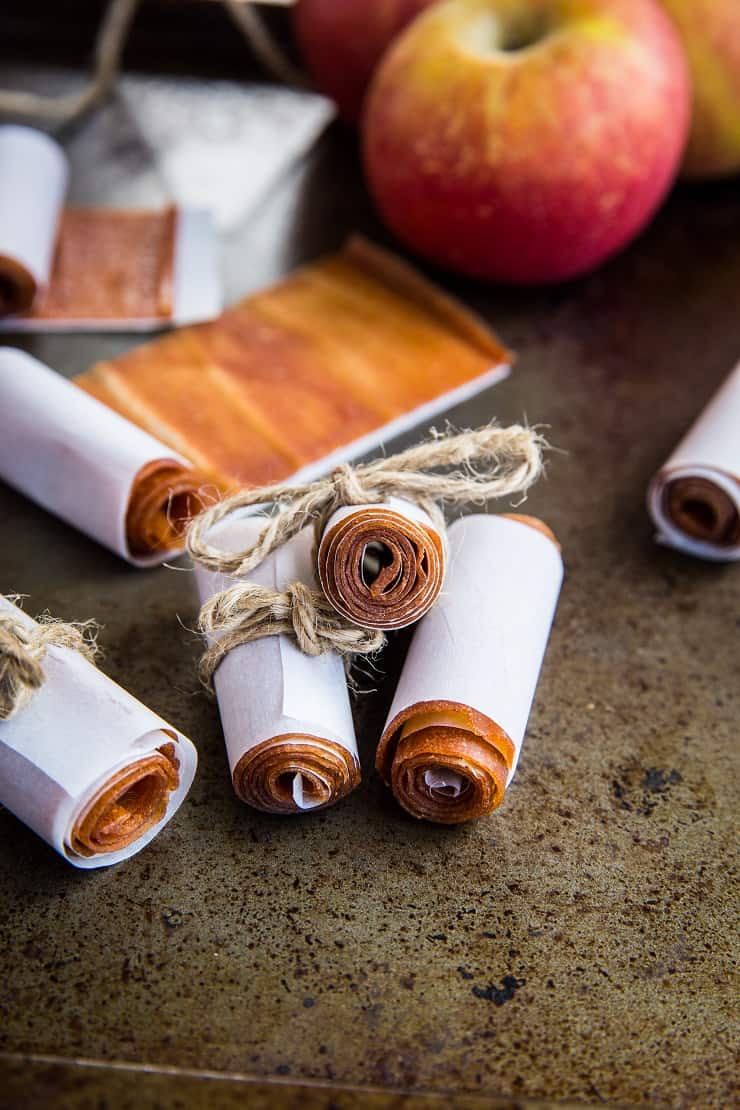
(78, 459)
(381, 566)
(694, 499)
(85, 765)
(456, 724)
(286, 716)
(33, 183)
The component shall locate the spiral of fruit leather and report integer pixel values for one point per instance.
(164, 497)
(457, 721)
(694, 499)
(130, 803)
(445, 762)
(382, 566)
(294, 773)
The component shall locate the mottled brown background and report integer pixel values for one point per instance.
(575, 946)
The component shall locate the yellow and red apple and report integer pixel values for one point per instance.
(527, 140)
(342, 41)
(710, 30)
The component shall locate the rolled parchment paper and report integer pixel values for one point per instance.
(694, 499)
(455, 728)
(33, 184)
(86, 766)
(91, 467)
(286, 716)
(382, 566)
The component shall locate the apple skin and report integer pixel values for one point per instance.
(710, 30)
(528, 165)
(342, 41)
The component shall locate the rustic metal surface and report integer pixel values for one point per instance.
(577, 944)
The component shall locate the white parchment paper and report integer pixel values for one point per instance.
(33, 184)
(270, 688)
(70, 453)
(711, 450)
(483, 642)
(76, 731)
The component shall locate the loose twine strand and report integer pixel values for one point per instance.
(22, 649)
(480, 465)
(109, 46)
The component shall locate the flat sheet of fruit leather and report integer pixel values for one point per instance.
(85, 765)
(93, 268)
(694, 499)
(333, 360)
(457, 721)
(286, 716)
(88, 465)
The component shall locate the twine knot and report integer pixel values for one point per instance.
(248, 611)
(22, 649)
(348, 489)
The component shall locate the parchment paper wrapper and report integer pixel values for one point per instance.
(382, 566)
(33, 183)
(91, 467)
(455, 728)
(86, 766)
(286, 716)
(94, 268)
(694, 499)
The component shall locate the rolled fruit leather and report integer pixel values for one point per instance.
(83, 462)
(694, 499)
(454, 733)
(286, 716)
(381, 565)
(33, 183)
(85, 765)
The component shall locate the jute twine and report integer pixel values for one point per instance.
(249, 611)
(109, 45)
(22, 649)
(477, 466)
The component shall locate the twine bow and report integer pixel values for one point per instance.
(480, 465)
(490, 462)
(22, 649)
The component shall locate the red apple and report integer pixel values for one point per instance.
(342, 42)
(711, 35)
(527, 140)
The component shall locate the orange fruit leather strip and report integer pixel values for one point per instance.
(263, 777)
(128, 805)
(702, 510)
(111, 264)
(295, 372)
(164, 498)
(168, 388)
(476, 748)
(406, 586)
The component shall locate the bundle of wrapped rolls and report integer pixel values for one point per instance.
(84, 764)
(455, 728)
(286, 715)
(80, 460)
(382, 566)
(694, 499)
